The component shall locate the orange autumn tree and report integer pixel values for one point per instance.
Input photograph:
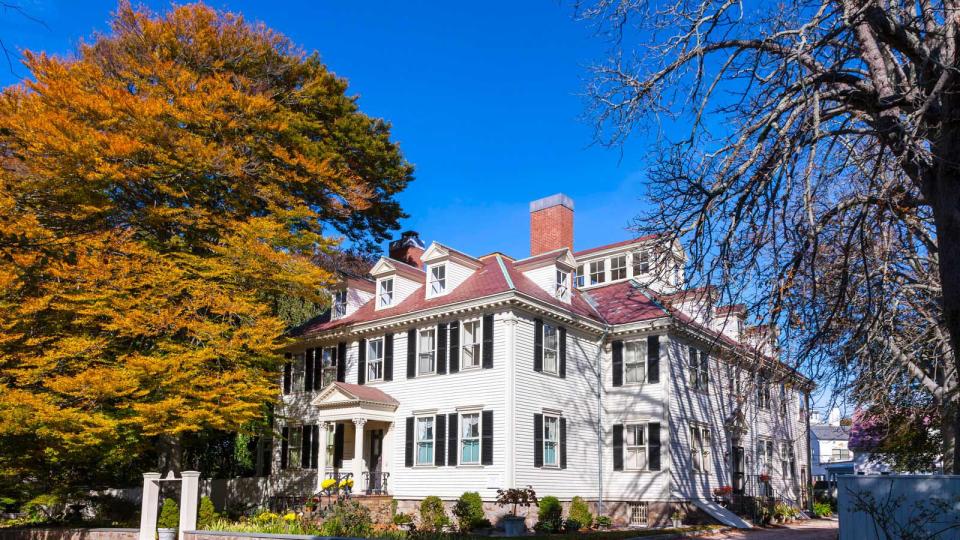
(160, 191)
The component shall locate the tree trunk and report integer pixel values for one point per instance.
(171, 453)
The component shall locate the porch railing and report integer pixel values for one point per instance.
(375, 482)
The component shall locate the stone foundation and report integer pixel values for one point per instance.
(380, 506)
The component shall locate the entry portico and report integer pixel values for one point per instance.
(369, 410)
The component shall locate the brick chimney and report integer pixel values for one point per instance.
(408, 248)
(551, 224)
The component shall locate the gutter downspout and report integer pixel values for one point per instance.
(600, 446)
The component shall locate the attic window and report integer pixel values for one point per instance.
(561, 290)
(597, 274)
(385, 292)
(641, 263)
(438, 279)
(578, 278)
(618, 267)
(339, 304)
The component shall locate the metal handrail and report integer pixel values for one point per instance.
(376, 482)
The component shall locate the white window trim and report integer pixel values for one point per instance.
(623, 268)
(380, 293)
(460, 439)
(699, 368)
(545, 441)
(641, 352)
(705, 449)
(478, 337)
(645, 446)
(643, 509)
(298, 372)
(419, 351)
(296, 463)
(431, 280)
(602, 273)
(332, 367)
(340, 308)
(579, 278)
(369, 361)
(417, 441)
(637, 260)
(562, 285)
(555, 350)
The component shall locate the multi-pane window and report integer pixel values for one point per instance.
(425, 440)
(438, 279)
(470, 438)
(641, 263)
(634, 362)
(331, 443)
(297, 372)
(427, 358)
(638, 514)
(470, 344)
(765, 456)
(783, 401)
(840, 454)
(385, 292)
(578, 277)
(551, 441)
(561, 285)
(763, 393)
(328, 358)
(294, 446)
(635, 446)
(786, 453)
(700, 448)
(699, 369)
(597, 274)
(618, 267)
(375, 359)
(340, 304)
(549, 348)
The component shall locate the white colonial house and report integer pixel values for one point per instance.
(591, 373)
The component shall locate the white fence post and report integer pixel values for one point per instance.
(148, 506)
(189, 499)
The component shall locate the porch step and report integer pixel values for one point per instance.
(721, 514)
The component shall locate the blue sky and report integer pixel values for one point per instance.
(484, 98)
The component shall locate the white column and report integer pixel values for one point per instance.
(189, 500)
(358, 454)
(148, 506)
(322, 455)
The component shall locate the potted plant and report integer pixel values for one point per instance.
(603, 522)
(403, 521)
(514, 525)
(169, 520)
(723, 493)
(677, 518)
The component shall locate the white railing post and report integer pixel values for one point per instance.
(148, 506)
(189, 500)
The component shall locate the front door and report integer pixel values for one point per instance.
(737, 468)
(375, 463)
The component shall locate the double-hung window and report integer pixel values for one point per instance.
(425, 440)
(763, 393)
(783, 400)
(385, 292)
(839, 454)
(551, 441)
(699, 369)
(427, 357)
(550, 364)
(331, 443)
(470, 344)
(785, 451)
(641, 263)
(329, 363)
(297, 372)
(375, 359)
(340, 304)
(700, 448)
(578, 277)
(635, 446)
(470, 438)
(765, 456)
(294, 446)
(438, 279)
(561, 285)
(618, 267)
(597, 272)
(634, 362)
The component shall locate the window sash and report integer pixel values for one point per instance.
(578, 277)
(638, 514)
(427, 352)
(340, 304)
(561, 285)
(470, 438)
(634, 362)
(425, 440)
(597, 274)
(551, 446)
(635, 447)
(618, 267)
(470, 344)
(700, 448)
(375, 359)
(550, 347)
(297, 373)
(438, 279)
(329, 366)
(386, 292)
(641, 263)
(294, 445)
(331, 444)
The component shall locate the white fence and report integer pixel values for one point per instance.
(899, 507)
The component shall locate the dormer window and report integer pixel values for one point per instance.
(641, 263)
(597, 274)
(385, 292)
(578, 279)
(618, 267)
(438, 279)
(562, 287)
(340, 304)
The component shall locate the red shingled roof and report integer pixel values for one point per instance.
(366, 393)
(625, 302)
(614, 245)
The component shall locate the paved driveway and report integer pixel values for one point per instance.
(814, 529)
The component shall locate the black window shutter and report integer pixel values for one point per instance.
(315, 447)
(618, 363)
(563, 443)
(308, 370)
(287, 374)
(338, 445)
(653, 359)
(284, 446)
(411, 353)
(306, 444)
(487, 341)
(388, 357)
(538, 440)
(452, 439)
(317, 369)
(439, 435)
(408, 444)
(562, 337)
(618, 447)
(362, 362)
(538, 344)
(441, 350)
(454, 347)
(653, 440)
(486, 438)
(342, 361)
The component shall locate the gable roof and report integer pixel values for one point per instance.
(625, 302)
(825, 432)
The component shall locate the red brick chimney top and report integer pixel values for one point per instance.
(551, 224)
(408, 248)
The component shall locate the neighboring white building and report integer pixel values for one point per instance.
(590, 373)
(828, 446)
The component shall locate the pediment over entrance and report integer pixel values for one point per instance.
(341, 401)
(736, 423)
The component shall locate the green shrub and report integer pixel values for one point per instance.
(550, 515)
(46, 507)
(572, 526)
(206, 514)
(580, 512)
(469, 511)
(115, 511)
(402, 519)
(169, 515)
(822, 509)
(603, 521)
(347, 518)
(432, 514)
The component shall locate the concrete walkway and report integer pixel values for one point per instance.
(814, 529)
